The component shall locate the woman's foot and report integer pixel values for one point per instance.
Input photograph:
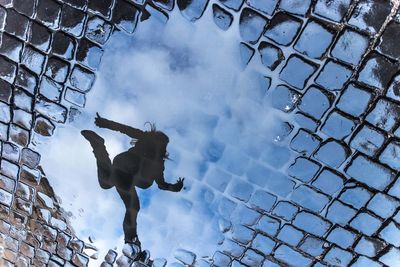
(93, 138)
(131, 250)
(134, 241)
(144, 256)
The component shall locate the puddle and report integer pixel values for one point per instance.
(217, 117)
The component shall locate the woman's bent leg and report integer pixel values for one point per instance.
(102, 158)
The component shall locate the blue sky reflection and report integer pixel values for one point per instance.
(188, 79)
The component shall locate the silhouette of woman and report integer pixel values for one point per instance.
(140, 166)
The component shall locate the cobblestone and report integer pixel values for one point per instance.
(283, 28)
(285, 210)
(335, 61)
(251, 25)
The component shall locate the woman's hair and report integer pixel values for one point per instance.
(152, 126)
(156, 136)
(152, 141)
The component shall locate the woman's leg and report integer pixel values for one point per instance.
(103, 159)
(132, 205)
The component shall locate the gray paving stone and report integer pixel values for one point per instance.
(89, 54)
(338, 126)
(16, 24)
(268, 225)
(350, 46)
(337, 256)
(295, 6)
(81, 78)
(387, 43)
(63, 45)
(252, 258)
(312, 246)
(364, 261)
(75, 97)
(303, 169)
(103, 8)
(7, 70)
(391, 257)
(306, 45)
(285, 210)
(328, 182)
(369, 246)
(234, 249)
(369, 15)
(11, 47)
(307, 198)
(251, 25)
(290, 256)
(333, 76)
(222, 18)
(281, 155)
(271, 55)
(306, 122)
(232, 4)
(297, 71)
(263, 244)
(354, 100)
(284, 98)
(220, 259)
(39, 36)
(367, 140)
(332, 153)
(390, 155)
(48, 13)
(242, 234)
(315, 102)
(391, 233)
(246, 53)
(333, 10)
(305, 142)
(262, 201)
(356, 196)
(240, 189)
(244, 216)
(72, 21)
(341, 237)
(340, 213)
(290, 235)
(166, 4)
(98, 30)
(377, 64)
(311, 223)
(51, 110)
(283, 28)
(381, 200)
(395, 189)
(192, 11)
(265, 7)
(365, 171)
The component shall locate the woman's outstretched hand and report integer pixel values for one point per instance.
(99, 121)
(179, 184)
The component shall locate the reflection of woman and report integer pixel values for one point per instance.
(140, 166)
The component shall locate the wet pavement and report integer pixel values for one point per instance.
(283, 116)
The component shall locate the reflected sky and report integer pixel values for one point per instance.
(188, 79)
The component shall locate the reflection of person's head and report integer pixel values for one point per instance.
(153, 144)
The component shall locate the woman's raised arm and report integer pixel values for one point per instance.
(112, 125)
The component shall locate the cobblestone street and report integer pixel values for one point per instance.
(324, 190)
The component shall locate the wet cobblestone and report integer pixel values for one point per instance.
(338, 201)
